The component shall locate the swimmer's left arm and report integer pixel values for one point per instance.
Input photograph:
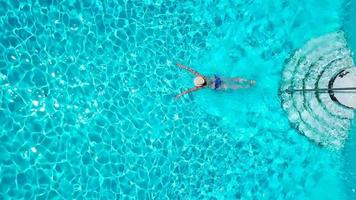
(188, 91)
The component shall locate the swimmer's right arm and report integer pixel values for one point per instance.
(189, 69)
(188, 91)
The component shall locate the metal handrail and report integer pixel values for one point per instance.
(323, 90)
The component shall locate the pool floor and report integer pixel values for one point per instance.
(87, 104)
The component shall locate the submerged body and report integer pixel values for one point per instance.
(220, 83)
(215, 82)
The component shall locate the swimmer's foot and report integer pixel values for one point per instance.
(252, 82)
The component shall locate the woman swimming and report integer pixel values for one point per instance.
(215, 82)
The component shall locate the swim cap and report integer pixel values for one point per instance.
(199, 81)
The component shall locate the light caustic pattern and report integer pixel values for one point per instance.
(314, 114)
(87, 109)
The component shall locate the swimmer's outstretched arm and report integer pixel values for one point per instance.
(189, 69)
(188, 91)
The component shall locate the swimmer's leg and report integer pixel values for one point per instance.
(224, 86)
(237, 87)
(237, 83)
(239, 80)
(244, 81)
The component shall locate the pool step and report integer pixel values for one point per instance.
(314, 114)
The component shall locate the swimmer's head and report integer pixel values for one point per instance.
(199, 81)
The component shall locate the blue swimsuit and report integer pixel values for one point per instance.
(217, 82)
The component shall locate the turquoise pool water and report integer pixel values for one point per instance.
(87, 105)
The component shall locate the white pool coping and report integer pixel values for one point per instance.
(345, 79)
